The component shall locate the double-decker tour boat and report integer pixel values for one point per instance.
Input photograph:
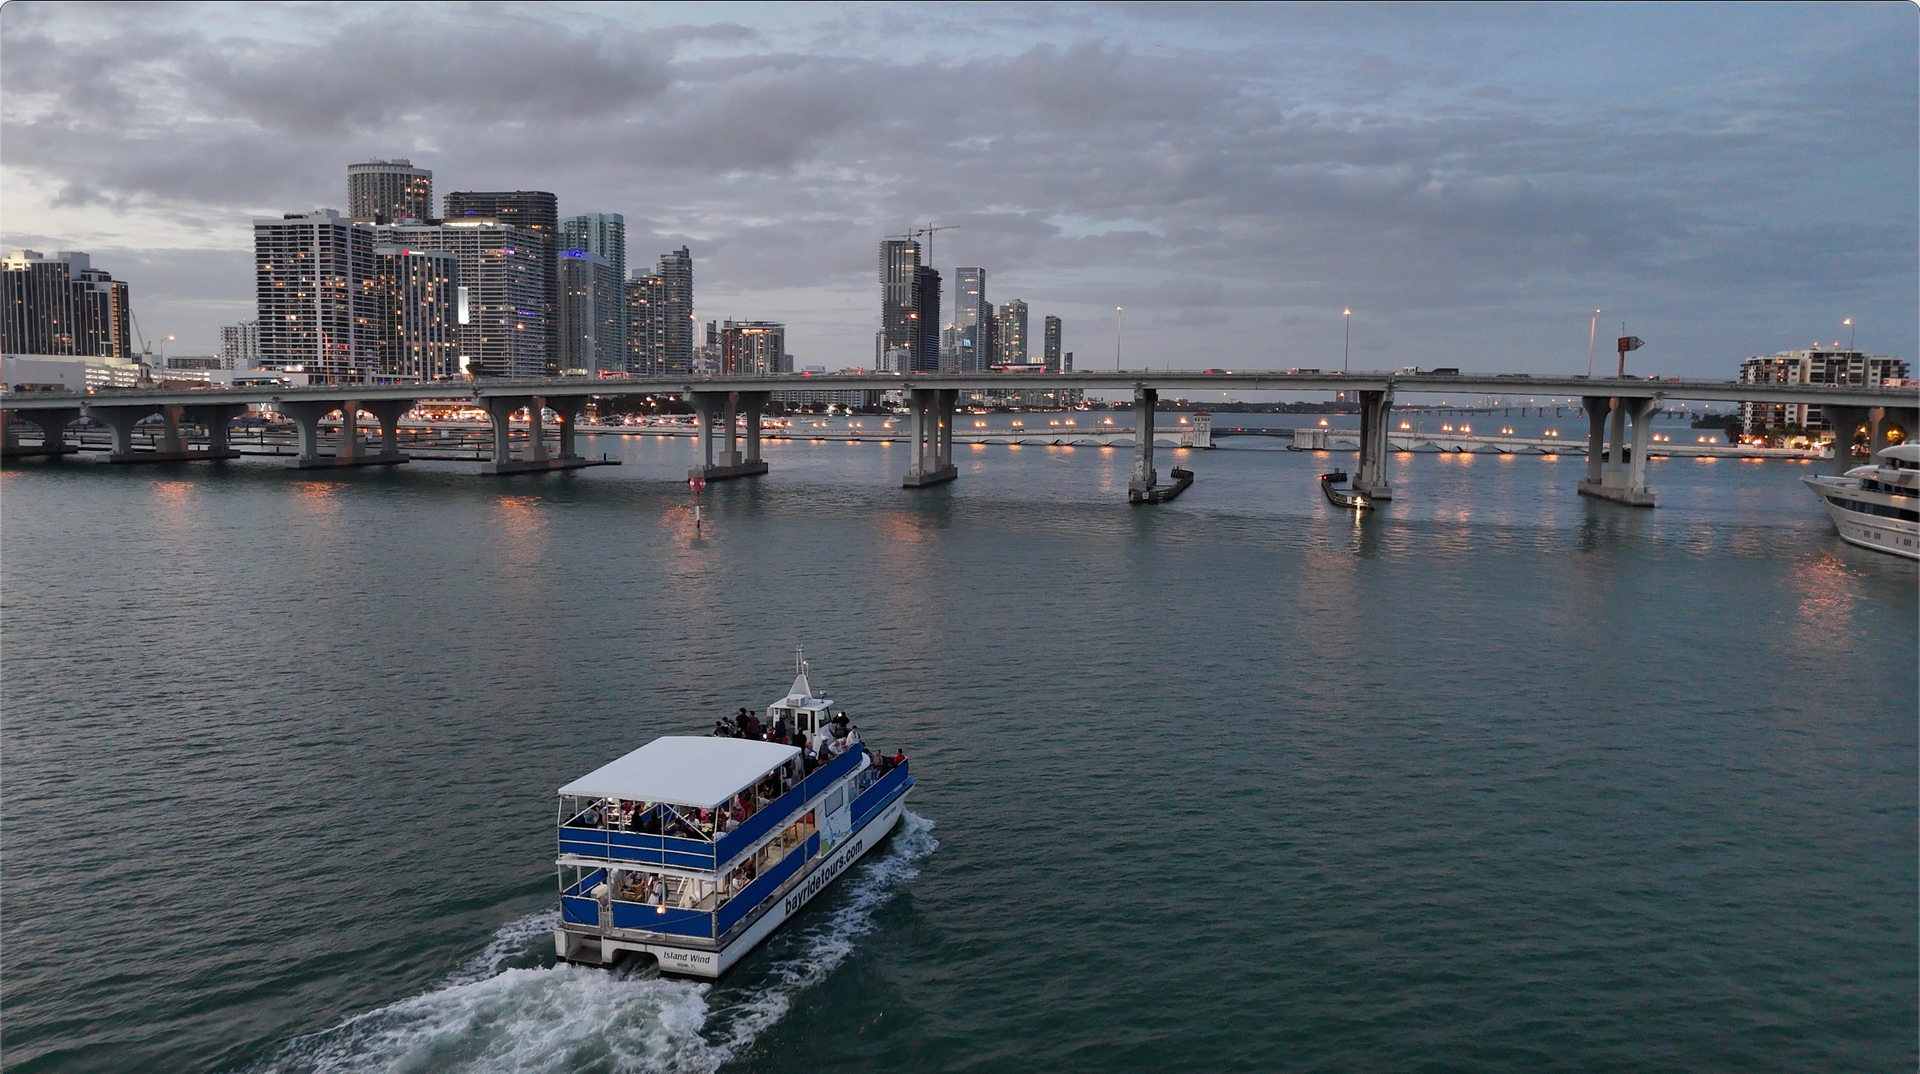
(692, 850)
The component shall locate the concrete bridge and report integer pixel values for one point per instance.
(1616, 455)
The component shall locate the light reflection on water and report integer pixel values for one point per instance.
(1493, 735)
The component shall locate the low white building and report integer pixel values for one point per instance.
(1813, 366)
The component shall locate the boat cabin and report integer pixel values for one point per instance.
(805, 713)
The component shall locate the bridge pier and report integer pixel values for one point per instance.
(729, 404)
(170, 447)
(1370, 476)
(1145, 486)
(930, 419)
(214, 418)
(1616, 471)
(307, 416)
(53, 431)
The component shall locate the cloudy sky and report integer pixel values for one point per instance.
(1473, 181)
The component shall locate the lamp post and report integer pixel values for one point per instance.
(1118, 315)
(1347, 349)
(1592, 328)
(1849, 323)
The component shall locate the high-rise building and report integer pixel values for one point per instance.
(675, 271)
(646, 342)
(899, 299)
(499, 299)
(926, 313)
(593, 315)
(419, 328)
(1050, 352)
(318, 304)
(605, 236)
(389, 191)
(753, 348)
(973, 315)
(1010, 334)
(240, 345)
(1818, 365)
(538, 213)
(63, 305)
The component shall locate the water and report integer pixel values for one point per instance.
(1495, 779)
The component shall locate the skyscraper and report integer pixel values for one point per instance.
(1050, 349)
(538, 213)
(646, 344)
(500, 317)
(676, 311)
(389, 191)
(315, 284)
(752, 348)
(1010, 334)
(926, 314)
(604, 234)
(899, 303)
(593, 315)
(63, 305)
(419, 331)
(973, 315)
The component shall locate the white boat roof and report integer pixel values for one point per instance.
(701, 772)
(1903, 452)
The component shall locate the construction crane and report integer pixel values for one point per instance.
(928, 232)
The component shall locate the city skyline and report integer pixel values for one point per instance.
(1732, 182)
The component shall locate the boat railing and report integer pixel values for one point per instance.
(781, 809)
(621, 846)
(877, 794)
(764, 886)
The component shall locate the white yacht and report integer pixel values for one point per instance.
(692, 850)
(1877, 506)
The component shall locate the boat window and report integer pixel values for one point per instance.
(836, 800)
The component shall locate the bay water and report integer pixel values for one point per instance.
(1494, 778)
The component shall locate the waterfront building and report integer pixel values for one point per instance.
(926, 315)
(909, 308)
(753, 349)
(646, 334)
(389, 192)
(593, 315)
(605, 236)
(676, 311)
(317, 301)
(973, 315)
(62, 305)
(499, 297)
(1050, 347)
(1816, 365)
(240, 345)
(1010, 334)
(418, 307)
(537, 212)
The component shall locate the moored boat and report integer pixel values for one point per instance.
(1877, 506)
(692, 850)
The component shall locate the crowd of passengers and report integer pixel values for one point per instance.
(842, 737)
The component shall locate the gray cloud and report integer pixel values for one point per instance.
(1218, 168)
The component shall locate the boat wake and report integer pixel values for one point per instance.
(493, 1016)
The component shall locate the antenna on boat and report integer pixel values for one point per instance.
(799, 662)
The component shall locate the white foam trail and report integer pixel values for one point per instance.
(490, 1017)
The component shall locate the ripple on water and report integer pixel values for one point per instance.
(498, 1013)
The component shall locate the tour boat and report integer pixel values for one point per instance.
(1342, 497)
(1877, 506)
(692, 850)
